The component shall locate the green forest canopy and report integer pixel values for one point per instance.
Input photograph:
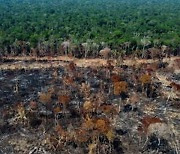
(110, 21)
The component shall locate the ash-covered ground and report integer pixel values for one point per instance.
(104, 110)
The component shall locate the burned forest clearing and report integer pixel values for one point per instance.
(89, 106)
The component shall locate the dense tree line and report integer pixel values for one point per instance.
(83, 27)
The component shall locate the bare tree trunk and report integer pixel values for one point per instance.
(143, 52)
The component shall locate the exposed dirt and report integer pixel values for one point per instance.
(89, 106)
(48, 62)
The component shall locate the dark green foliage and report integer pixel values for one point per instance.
(112, 21)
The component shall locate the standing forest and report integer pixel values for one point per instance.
(123, 25)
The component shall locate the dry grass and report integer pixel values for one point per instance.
(63, 60)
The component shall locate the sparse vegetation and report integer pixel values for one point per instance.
(90, 110)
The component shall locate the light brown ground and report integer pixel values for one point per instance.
(63, 60)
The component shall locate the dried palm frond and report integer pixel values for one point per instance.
(81, 135)
(68, 80)
(145, 78)
(147, 121)
(120, 87)
(85, 89)
(108, 109)
(102, 125)
(57, 110)
(45, 97)
(72, 66)
(115, 78)
(64, 99)
(88, 124)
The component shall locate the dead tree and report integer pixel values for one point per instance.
(105, 53)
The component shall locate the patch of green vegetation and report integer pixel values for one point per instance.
(112, 21)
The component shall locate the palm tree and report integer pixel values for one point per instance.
(145, 42)
(95, 48)
(87, 47)
(164, 49)
(66, 46)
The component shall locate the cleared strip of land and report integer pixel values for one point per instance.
(48, 62)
